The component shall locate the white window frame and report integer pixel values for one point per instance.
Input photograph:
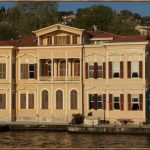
(115, 70)
(116, 96)
(91, 71)
(135, 69)
(132, 102)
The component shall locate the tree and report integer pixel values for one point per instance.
(25, 17)
(99, 16)
(122, 25)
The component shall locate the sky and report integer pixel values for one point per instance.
(143, 8)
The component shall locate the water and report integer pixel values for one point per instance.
(41, 139)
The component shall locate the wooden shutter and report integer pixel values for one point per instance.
(4, 71)
(49, 40)
(141, 101)
(122, 101)
(110, 101)
(35, 71)
(90, 101)
(13, 71)
(55, 40)
(129, 101)
(31, 101)
(45, 69)
(129, 69)
(68, 39)
(23, 101)
(121, 69)
(95, 70)
(110, 70)
(95, 101)
(24, 71)
(76, 68)
(140, 69)
(2, 101)
(104, 70)
(86, 70)
(74, 39)
(104, 101)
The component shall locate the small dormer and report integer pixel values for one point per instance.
(98, 38)
(59, 34)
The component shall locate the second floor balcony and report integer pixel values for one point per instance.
(59, 69)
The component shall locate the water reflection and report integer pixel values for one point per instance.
(42, 139)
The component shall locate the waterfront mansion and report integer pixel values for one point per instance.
(62, 70)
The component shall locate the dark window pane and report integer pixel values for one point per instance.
(135, 106)
(59, 99)
(116, 75)
(2, 101)
(73, 100)
(31, 101)
(23, 101)
(31, 75)
(134, 74)
(44, 99)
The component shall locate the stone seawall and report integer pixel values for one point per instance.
(110, 130)
(33, 127)
(103, 129)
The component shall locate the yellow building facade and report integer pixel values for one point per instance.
(64, 70)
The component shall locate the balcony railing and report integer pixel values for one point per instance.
(59, 78)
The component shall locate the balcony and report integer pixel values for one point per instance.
(60, 69)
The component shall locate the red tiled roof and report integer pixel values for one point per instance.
(118, 38)
(27, 41)
(138, 38)
(101, 34)
(6, 43)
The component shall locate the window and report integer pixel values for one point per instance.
(91, 70)
(28, 71)
(31, 101)
(100, 70)
(74, 39)
(63, 68)
(62, 40)
(3, 71)
(49, 40)
(95, 101)
(99, 102)
(45, 67)
(23, 101)
(59, 99)
(45, 99)
(73, 99)
(116, 69)
(135, 102)
(2, 101)
(31, 71)
(77, 68)
(91, 101)
(134, 69)
(116, 104)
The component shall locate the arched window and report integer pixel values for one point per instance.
(59, 99)
(44, 99)
(73, 99)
